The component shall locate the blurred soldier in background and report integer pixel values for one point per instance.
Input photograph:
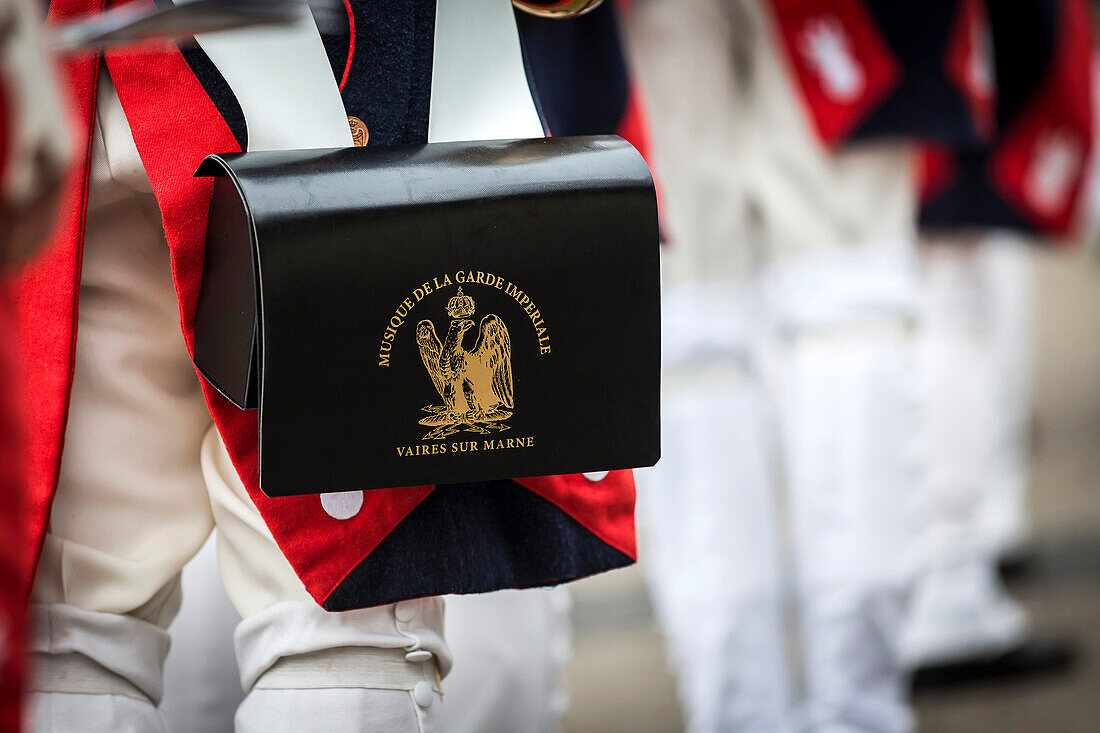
(984, 202)
(790, 288)
(806, 348)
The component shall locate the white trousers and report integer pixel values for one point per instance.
(850, 419)
(975, 354)
(1008, 264)
(789, 403)
(510, 648)
(837, 427)
(144, 479)
(708, 516)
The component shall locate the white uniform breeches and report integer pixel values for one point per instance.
(974, 357)
(144, 479)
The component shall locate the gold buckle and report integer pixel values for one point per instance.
(559, 9)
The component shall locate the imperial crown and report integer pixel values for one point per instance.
(460, 305)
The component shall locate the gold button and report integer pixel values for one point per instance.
(558, 9)
(359, 132)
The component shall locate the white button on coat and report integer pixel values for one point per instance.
(596, 476)
(418, 655)
(343, 504)
(422, 694)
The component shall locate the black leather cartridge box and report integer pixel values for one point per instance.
(439, 313)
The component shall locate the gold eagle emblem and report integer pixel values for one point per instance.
(476, 383)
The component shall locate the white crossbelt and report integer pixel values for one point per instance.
(281, 78)
(479, 84)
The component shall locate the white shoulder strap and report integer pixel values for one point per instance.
(284, 84)
(479, 86)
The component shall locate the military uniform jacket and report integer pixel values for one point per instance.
(214, 98)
